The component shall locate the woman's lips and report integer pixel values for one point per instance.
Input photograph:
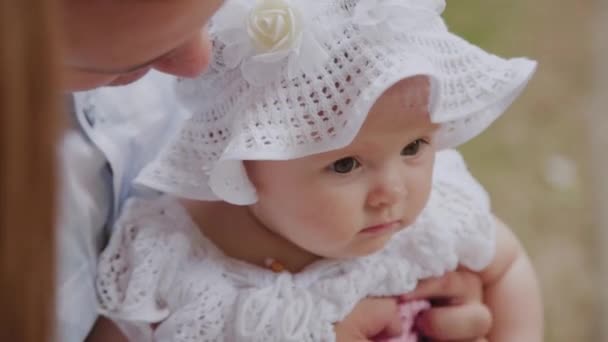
(129, 78)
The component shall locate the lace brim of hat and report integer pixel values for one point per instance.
(313, 96)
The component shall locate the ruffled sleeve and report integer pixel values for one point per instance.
(160, 271)
(463, 205)
(455, 228)
(146, 277)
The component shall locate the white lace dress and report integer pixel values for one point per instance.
(159, 270)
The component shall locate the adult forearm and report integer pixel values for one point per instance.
(105, 331)
(514, 296)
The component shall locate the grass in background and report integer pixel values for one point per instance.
(532, 160)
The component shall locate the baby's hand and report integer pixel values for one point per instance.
(458, 312)
(370, 317)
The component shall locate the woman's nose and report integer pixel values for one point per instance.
(189, 59)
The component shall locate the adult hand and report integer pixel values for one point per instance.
(370, 318)
(458, 312)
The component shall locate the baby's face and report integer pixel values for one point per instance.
(349, 202)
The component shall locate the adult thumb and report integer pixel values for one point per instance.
(377, 318)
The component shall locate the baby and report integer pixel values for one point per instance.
(314, 172)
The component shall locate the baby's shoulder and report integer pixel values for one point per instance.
(156, 252)
(157, 219)
(151, 210)
(454, 185)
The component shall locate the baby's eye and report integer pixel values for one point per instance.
(345, 165)
(413, 148)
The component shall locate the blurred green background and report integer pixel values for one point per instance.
(534, 160)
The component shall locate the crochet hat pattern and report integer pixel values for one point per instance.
(291, 78)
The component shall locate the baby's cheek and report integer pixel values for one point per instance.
(323, 225)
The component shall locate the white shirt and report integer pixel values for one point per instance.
(120, 129)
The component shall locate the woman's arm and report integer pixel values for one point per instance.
(511, 291)
(105, 331)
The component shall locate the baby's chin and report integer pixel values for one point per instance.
(360, 249)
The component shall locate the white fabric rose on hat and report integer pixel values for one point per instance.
(274, 26)
(262, 36)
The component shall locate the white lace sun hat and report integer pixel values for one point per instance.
(292, 78)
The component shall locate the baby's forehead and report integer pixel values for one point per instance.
(404, 106)
(412, 91)
(399, 116)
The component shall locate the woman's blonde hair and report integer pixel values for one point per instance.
(29, 102)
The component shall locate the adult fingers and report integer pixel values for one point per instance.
(456, 287)
(467, 322)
